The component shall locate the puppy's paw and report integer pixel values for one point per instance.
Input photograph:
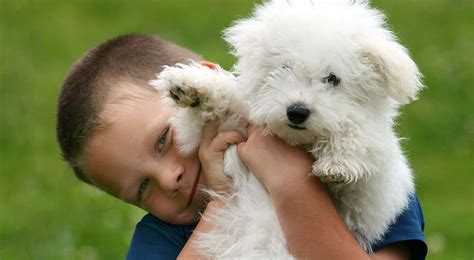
(331, 175)
(333, 179)
(212, 93)
(184, 96)
(341, 170)
(179, 83)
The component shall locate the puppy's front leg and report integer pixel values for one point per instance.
(212, 92)
(200, 94)
(341, 158)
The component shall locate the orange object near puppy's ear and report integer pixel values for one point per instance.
(210, 65)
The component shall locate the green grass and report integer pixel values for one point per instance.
(46, 214)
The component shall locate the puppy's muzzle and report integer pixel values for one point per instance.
(297, 114)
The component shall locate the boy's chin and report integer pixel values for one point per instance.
(195, 209)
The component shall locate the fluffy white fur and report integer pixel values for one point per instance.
(337, 61)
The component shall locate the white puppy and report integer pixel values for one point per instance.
(328, 75)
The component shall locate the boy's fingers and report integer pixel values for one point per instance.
(223, 139)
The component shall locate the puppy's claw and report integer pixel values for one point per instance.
(332, 179)
(180, 90)
(196, 103)
(184, 96)
(174, 96)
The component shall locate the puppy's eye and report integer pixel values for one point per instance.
(332, 79)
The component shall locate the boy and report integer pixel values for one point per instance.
(115, 135)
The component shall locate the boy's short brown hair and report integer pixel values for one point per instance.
(132, 58)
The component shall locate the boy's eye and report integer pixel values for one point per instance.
(332, 79)
(142, 188)
(160, 143)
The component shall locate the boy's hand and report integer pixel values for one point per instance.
(211, 155)
(276, 164)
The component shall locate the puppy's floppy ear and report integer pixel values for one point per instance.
(246, 37)
(246, 40)
(399, 72)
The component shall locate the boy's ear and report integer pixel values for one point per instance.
(391, 60)
(210, 65)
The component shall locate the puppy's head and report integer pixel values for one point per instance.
(314, 67)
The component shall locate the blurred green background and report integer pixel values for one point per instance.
(45, 213)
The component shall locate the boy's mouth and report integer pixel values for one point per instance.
(193, 190)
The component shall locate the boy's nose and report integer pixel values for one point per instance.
(170, 179)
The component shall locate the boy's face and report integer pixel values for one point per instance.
(137, 160)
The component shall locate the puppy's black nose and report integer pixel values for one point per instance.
(297, 114)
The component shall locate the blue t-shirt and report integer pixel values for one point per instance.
(155, 239)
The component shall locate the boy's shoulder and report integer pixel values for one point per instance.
(408, 228)
(156, 239)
